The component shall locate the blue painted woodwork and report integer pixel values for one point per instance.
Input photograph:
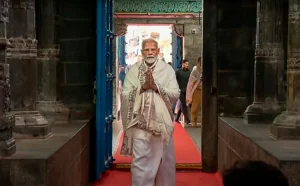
(121, 50)
(104, 85)
(176, 50)
(179, 51)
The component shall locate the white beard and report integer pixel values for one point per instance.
(150, 60)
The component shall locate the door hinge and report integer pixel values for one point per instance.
(110, 76)
(109, 119)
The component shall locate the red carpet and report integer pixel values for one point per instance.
(118, 178)
(186, 152)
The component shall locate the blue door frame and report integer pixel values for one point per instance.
(104, 86)
(121, 50)
(176, 50)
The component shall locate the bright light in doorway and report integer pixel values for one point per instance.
(137, 33)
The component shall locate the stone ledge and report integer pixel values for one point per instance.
(261, 112)
(54, 111)
(55, 161)
(285, 132)
(184, 125)
(238, 140)
(286, 126)
(8, 147)
(30, 124)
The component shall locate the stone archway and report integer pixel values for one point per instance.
(188, 27)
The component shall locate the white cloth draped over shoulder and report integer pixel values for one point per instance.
(159, 121)
(194, 81)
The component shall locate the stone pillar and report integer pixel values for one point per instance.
(287, 124)
(7, 121)
(47, 62)
(269, 58)
(22, 57)
(192, 42)
(209, 133)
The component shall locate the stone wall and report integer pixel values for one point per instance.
(235, 56)
(228, 59)
(192, 41)
(22, 55)
(77, 56)
(237, 141)
(61, 160)
(51, 52)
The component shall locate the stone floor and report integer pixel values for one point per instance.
(195, 134)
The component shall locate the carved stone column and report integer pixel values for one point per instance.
(287, 124)
(178, 28)
(269, 59)
(22, 57)
(7, 121)
(120, 29)
(48, 59)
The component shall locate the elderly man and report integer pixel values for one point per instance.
(149, 92)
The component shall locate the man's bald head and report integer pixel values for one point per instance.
(149, 41)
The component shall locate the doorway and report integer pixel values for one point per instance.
(106, 126)
(128, 52)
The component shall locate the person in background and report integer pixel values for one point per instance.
(182, 76)
(194, 92)
(254, 173)
(127, 68)
(122, 75)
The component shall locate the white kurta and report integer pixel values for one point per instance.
(148, 126)
(153, 162)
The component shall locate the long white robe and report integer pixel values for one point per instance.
(148, 126)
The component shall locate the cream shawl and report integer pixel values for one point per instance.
(194, 80)
(133, 102)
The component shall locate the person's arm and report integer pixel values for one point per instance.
(170, 92)
(177, 75)
(130, 93)
(191, 83)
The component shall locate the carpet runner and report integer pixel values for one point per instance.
(186, 152)
(118, 178)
